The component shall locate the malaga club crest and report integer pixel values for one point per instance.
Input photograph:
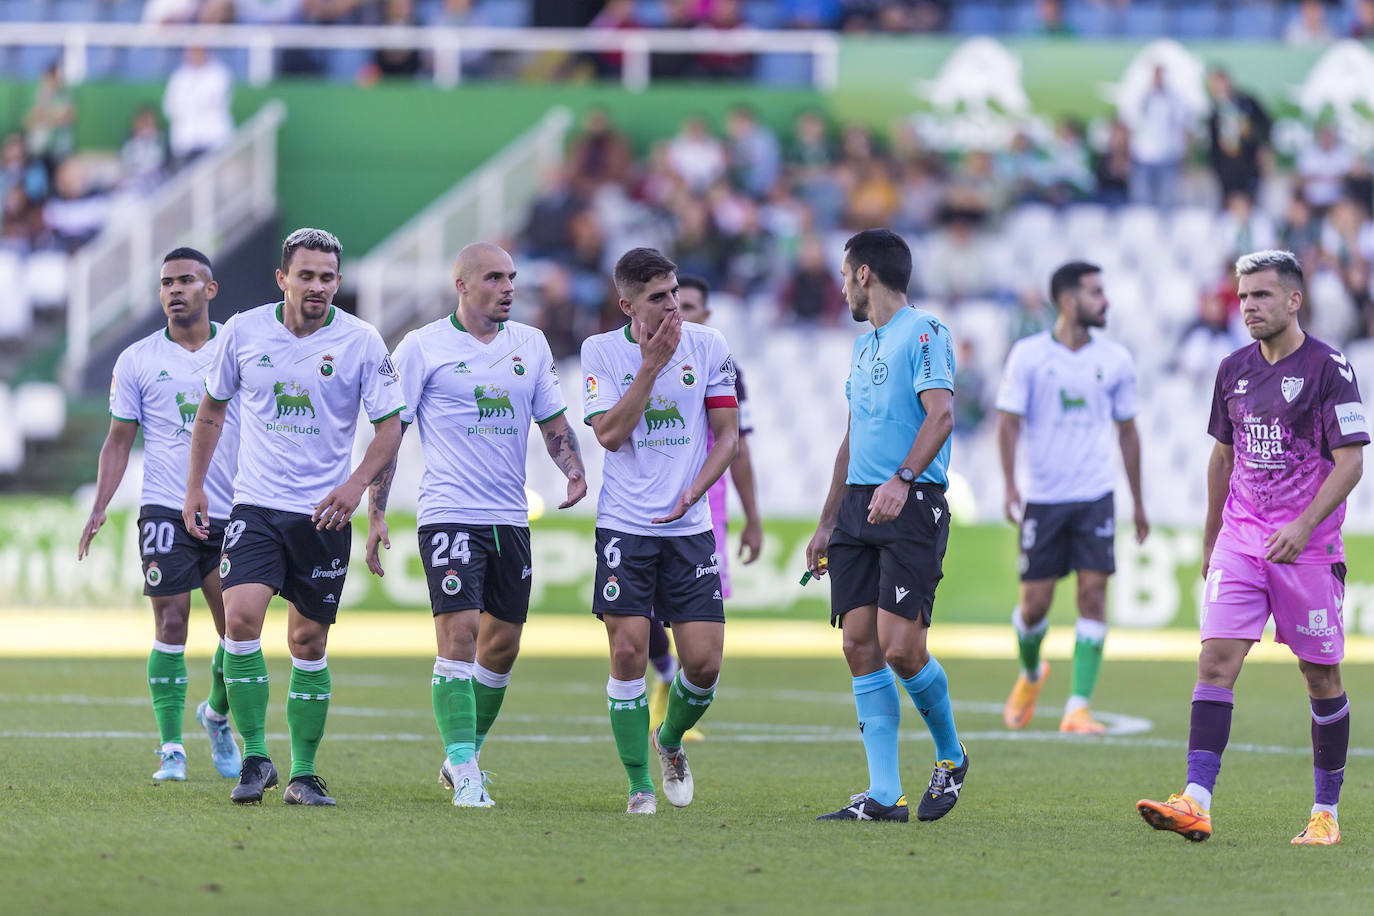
(1291, 387)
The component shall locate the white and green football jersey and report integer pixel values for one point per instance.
(643, 479)
(473, 403)
(299, 400)
(158, 383)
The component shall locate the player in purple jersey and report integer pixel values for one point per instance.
(1290, 426)
(692, 294)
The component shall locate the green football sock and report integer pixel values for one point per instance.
(630, 726)
(167, 684)
(1028, 640)
(245, 682)
(455, 710)
(1087, 656)
(307, 706)
(686, 705)
(488, 700)
(218, 699)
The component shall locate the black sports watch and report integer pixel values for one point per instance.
(906, 475)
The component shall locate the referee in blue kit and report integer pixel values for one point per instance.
(885, 525)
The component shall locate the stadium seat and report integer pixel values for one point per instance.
(16, 316)
(1198, 20)
(24, 10)
(762, 14)
(11, 440)
(976, 17)
(502, 14)
(1090, 20)
(40, 409)
(148, 64)
(74, 11)
(783, 69)
(45, 279)
(1258, 20)
(343, 64)
(124, 11)
(1144, 19)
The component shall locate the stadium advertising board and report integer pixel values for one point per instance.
(1157, 585)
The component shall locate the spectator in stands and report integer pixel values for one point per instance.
(811, 14)
(76, 213)
(873, 198)
(974, 187)
(547, 233)
(144, 157)
(21, 221)
(49, 124)
(810, 295)
(1238, 128)
(754, 157)
(395, 62)
(1159, 143)
(616, 15)
(558, 316)
(1309, 27)
(171, 12)
(1210, 338)
(1245, 228)
(956, 260)
(1052, 22)
(1069, 167)
(723, 16)
(256, 12)
(697, 247)
(970, 389)
(1023, 169)
(1112, 169)
(18, 170)
(1034, 315)
(1301, 233)
(196, 103)
(1362, 28)
(601, 154)
(919, 195)
(812, 148)
(696, 155)
(1321, 167)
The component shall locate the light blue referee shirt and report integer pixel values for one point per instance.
(890, 368)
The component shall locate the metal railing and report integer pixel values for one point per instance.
(445, 44)
(114, 277)
(408, 273)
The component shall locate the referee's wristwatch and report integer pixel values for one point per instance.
(906, 476)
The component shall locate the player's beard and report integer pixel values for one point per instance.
(859, 311)
(314, 309)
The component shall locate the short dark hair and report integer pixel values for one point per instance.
(691, 281)
(1068, 276)
(886, 253)
(310, 240)
(637, 267)
(1283, 263)
(189, 254)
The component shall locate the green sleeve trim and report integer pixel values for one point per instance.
(553, 416)
(390, 415)
(588, 418)
(219, 400)
(123, 419)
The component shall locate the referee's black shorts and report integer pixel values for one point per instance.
(896, 565)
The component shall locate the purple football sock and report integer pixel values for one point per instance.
(1209, 732)
(661, 651)
(1330, 739)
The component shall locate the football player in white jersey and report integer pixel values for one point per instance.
(301, 369)
(653, 390)
(474, 381)
(1069, 393)
(157, 385)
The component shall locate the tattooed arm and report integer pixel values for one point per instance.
(378, 492)
(561, 442)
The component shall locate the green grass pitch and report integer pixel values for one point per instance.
(1043, 825)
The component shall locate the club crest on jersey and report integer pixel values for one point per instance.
(187, 404)
(326, 367)
(516, 366)
(689, 377)
(451, 584)
(153, 576)
(224, 566)
(591, 386)
(611, 590)
(1291, 387)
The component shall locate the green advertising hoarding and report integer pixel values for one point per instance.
(1157, 585)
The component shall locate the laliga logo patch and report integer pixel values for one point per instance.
(689, 378)
(451, 584)
(326, 367)
(224, 566)
(153, 576)
(591, 386)
(517, 366)
(611, 591)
